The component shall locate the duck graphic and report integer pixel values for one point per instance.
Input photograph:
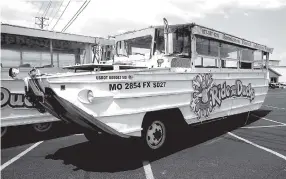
(201, 101)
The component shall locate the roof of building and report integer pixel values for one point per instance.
(274, 71)
(33, 32)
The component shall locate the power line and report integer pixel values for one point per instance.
(77, 14)
(57, 11)
(40, 8)
(47, 9)
(73, 16)
(61, 14)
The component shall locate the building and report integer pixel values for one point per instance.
(30, 47)
(274, 62)
(273, 75)
(277, 73)
(282, 71)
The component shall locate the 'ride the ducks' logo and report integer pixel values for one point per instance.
(14, 100)
(208, 95)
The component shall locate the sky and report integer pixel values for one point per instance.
(261, 21)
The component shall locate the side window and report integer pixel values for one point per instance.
(207, 47)
(258, 59)
(160, 41)
(247, 57)
(229, 55)
(208, 52)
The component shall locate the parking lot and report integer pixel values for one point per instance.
(229, 148)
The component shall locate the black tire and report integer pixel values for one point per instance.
(92, 136)
(4, 132)
(42, 127)
(155, 136)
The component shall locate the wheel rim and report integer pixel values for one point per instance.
(3, 131)
(156, 135)
(43, 127)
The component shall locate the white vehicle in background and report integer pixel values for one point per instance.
(22, 49)
(282, 85)
(162, 77)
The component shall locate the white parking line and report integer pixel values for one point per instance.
(269, 120)
(277, 93)
(148, 170)
(19, 155)
(258, 146)
(253, 127)
(274, 107)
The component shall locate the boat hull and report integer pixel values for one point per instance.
(121, 99)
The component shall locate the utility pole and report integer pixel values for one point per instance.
(42, 20)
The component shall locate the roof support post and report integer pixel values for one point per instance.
(88, 54)
(51, 52)
(21, 56)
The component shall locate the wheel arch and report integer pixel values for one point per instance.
(173, 116)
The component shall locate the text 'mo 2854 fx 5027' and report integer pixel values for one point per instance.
(160, 77)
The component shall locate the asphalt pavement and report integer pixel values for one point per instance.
(229, 148)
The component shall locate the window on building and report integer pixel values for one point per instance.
(273, 80)
(10, 58)
(36, 59)
(66, 59)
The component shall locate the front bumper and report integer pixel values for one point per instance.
(40, 93)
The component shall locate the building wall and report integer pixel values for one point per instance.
(274, 78)
(274, 63)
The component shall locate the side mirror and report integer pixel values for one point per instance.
(13, 72)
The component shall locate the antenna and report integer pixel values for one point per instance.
(42, 20)
(166, 33)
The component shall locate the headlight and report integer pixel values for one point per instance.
(159, 62)
(13, 72)
(89, 96)
(34, 72)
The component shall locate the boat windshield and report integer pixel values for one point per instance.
(140, 46)
(180, 40)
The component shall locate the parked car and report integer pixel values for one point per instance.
(282, 85)
(273, 85)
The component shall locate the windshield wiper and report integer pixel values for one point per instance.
(45, 66)
(177, 54)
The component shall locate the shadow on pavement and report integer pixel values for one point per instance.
(22, 135)
(122, 155)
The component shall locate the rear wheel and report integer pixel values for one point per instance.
(3, 131)
(42, 127)
(91, 136)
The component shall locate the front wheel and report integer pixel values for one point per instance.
(155, 135)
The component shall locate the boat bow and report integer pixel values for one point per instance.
(42, 95)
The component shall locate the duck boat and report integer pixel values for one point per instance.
(160, 76)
